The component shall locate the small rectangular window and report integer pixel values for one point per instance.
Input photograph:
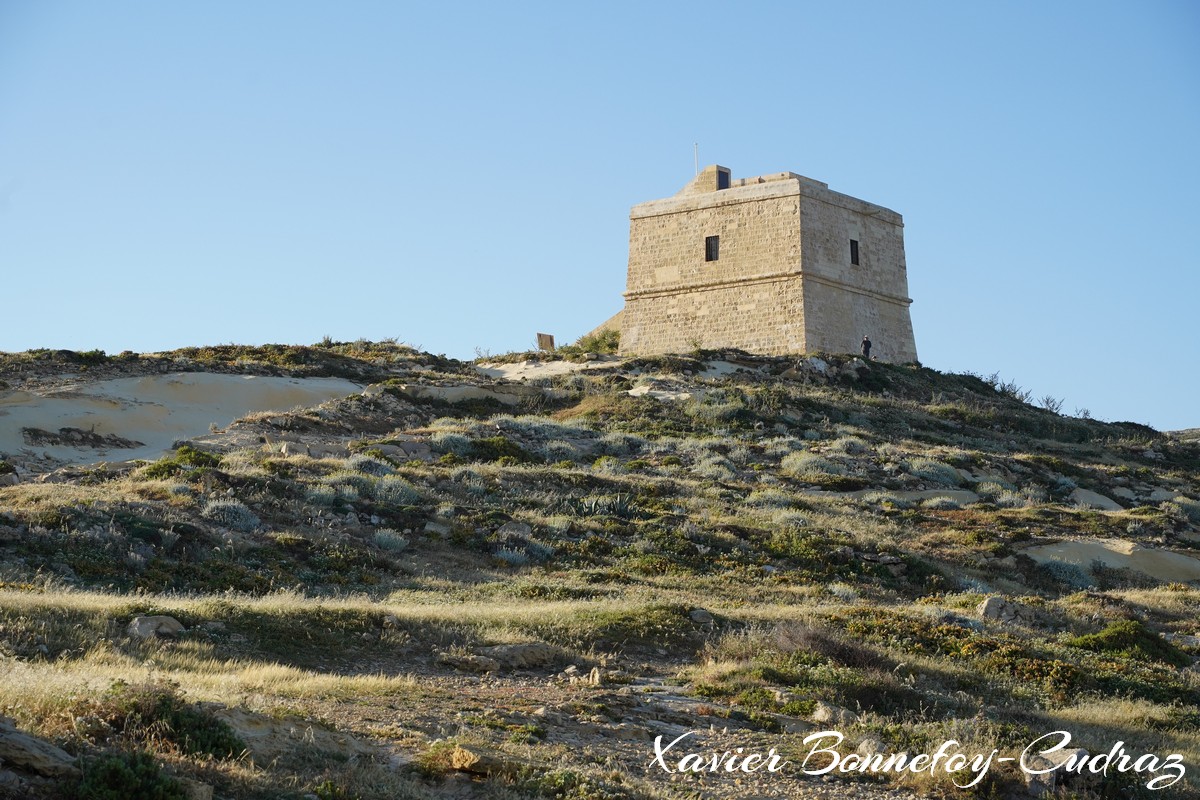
(722, 179)
(854, 251)
(712, 248)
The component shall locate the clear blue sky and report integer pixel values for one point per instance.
(460, 175)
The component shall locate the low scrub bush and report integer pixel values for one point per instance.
(450, 442)
(804, 464)
(121, 776)
(231, 514)
(1132, 639)
(396, 491)
(155, 712)
(369, 465)
(184, 460)
(388, 539)
(935, 471)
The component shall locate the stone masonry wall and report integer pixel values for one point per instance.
(845, 301)
(765, 317)
(675, 299)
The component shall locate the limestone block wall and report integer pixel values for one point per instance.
(836, 318)
(759, 236)
(763, 317)
(845, 301)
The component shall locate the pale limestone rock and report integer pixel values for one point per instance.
(514, 529)
(1089, 499)
(1001, 610)
(480, 760)
(831, 714)
(146, 627)
(525, 655)
(468, 662)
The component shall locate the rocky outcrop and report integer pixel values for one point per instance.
(468, 662)
(525, 655)
(33, 754)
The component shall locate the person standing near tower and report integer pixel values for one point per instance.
(866, 348)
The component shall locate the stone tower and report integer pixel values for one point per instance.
(775, 264)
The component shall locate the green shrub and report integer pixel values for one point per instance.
(151, 711)
(185, 459)
(604, 342)
(121, 776)
(1131, 639)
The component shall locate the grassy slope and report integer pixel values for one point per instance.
(639, 511)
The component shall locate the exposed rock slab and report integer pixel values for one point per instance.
(1164, 565)
(128, 418)
(268, 738)
(1085, 498)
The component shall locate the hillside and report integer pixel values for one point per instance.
(506, 579)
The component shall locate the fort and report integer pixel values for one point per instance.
(774, 264)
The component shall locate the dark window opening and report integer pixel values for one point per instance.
(722, 179)
(712, 248)
(854, 251)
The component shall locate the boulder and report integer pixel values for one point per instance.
(485, 761)
(146, 627)
(1000, 610)
(832, 715)
(33, 754)
(514, 529)
(11, 784)
(521, 656)
(1182, 639)
(870, 746)
(700, 616)
(293, 449)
